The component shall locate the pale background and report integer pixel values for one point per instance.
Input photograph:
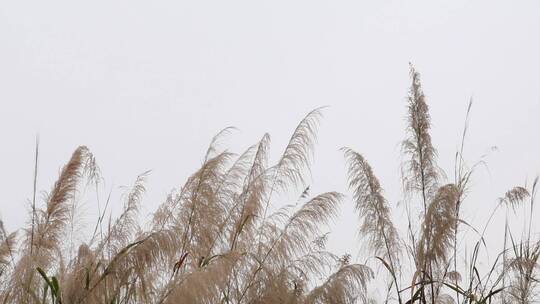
(146, 84)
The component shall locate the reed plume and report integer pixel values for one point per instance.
(347, 285)
(50, 223)
(438, 227)
(377, 226)
(376, 223)
(419, 172)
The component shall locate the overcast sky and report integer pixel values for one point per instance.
(146, 84)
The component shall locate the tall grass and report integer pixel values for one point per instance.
(227, 236)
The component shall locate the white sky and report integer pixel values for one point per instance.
(146, 84)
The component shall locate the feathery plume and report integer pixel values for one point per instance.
(297, 154)
(438, 227)
(419, 172)
(514, 197)
(377, 225)
(347, 285)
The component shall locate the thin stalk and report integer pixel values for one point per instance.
(34, 196)
(504, 256)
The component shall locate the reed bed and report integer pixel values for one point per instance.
(227, 235)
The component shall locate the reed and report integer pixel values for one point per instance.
(228, 235)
